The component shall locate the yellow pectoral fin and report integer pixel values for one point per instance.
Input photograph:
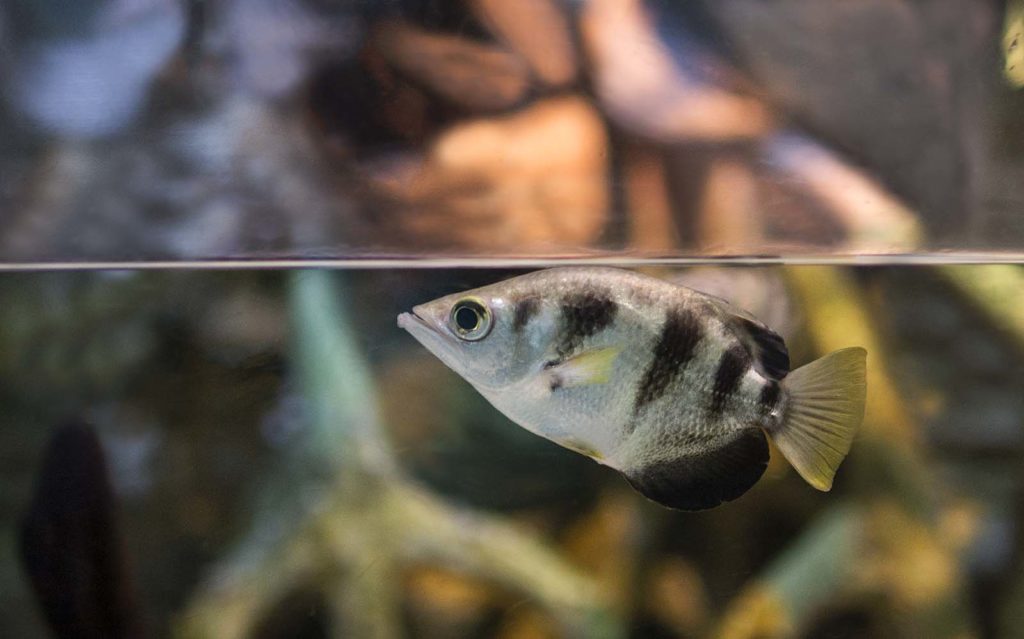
(591, 367)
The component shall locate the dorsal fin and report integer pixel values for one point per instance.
(771, 357)
(725, 468)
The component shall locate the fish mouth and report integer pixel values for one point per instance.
(430, 335)
(408, 320)
(433, 335)
(419, 324)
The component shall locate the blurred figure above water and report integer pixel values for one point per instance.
(157, 129)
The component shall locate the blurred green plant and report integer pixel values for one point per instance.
(367, 520)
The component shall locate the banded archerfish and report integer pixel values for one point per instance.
(677, 390)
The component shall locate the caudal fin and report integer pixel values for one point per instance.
(824, 409)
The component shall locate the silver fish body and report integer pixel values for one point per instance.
(673, 388)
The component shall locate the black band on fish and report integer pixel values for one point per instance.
(584, 315)
(676, 346)
(526, 309)
(769, 398)
(704, 479)
(768, 346)
(733, 365)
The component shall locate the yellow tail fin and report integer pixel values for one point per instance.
(825, 406)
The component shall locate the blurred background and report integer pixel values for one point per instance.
(141, 130)
(188, 452)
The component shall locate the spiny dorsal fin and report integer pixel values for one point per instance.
(697, 480)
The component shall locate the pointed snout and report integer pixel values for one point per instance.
(418, 317)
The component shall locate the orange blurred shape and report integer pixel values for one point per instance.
(530, 181)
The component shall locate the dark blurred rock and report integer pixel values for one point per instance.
(233, 178)
(301, 614)
(474, 75)
(71, 546)
(359, 107)
(67, 337)
(538, 30)
(896, 84)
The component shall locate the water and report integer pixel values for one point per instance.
(239, 412)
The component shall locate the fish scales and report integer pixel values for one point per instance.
(694, 407)
(675, 389)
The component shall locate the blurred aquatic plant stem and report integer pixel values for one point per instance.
(858, 552)
(797, 582)
(837, 313)
(368, 520)
(340, 395)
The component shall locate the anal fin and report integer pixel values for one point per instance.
(726, 468)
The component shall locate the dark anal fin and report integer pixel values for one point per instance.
(702, 480)
(771, 357)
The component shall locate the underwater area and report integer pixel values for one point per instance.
(281, 461)
(213, 214)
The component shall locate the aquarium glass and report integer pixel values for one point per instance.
(213, 213)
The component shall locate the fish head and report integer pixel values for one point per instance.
(475, 333)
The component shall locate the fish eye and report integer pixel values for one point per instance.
(470, 319)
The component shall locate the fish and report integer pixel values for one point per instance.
(677, 390)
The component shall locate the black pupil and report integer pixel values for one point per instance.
(467, 318)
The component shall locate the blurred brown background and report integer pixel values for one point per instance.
(168, 130)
